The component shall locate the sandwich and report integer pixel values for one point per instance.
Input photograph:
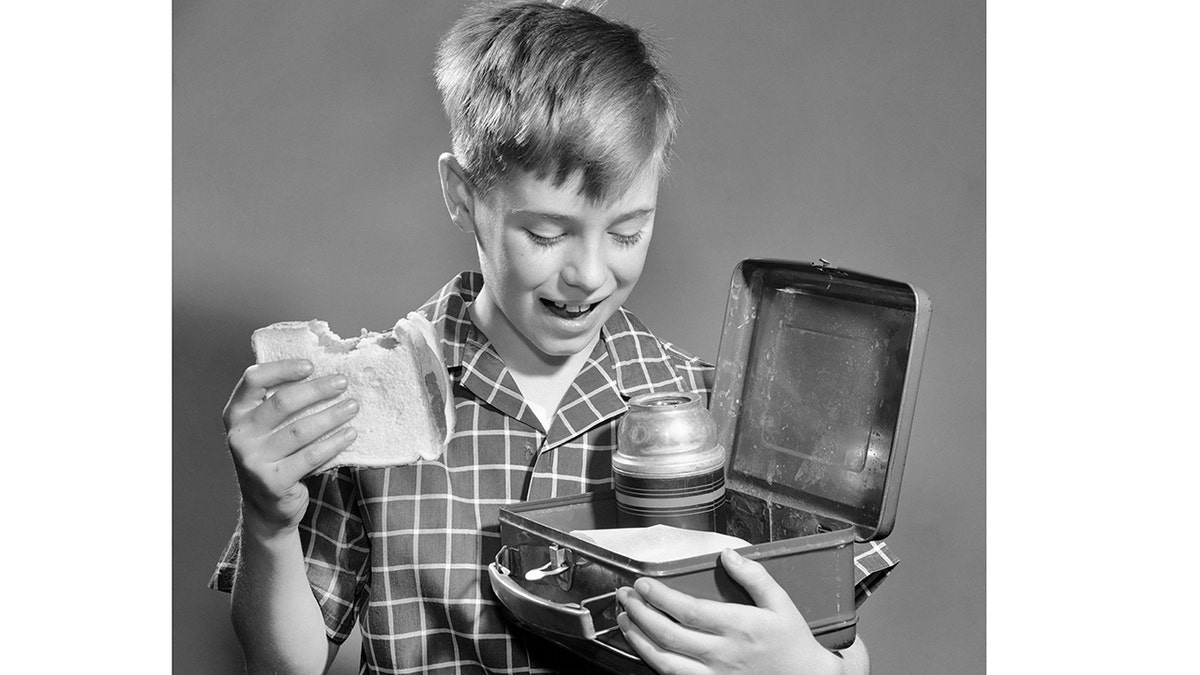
(660, 543)
(406, 409)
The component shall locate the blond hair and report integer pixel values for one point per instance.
(554, 91)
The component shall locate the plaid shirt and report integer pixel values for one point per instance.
(405, 549)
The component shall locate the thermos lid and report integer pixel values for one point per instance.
(667, 433)
(816, 382)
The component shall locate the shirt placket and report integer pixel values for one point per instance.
(541, 479)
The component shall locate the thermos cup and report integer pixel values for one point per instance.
(668, 468)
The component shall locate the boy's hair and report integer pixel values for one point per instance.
(554, 90)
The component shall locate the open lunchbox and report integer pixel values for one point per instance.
(816, 383)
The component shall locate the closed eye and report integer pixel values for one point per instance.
(547, 242)
(627, 239)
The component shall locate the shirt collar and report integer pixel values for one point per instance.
(626, 361)
(447, 311)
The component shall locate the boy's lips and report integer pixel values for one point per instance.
(568, 311)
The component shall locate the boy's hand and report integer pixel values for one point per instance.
(677, 633)
(270, 464)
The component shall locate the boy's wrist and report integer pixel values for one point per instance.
(264, 531)
(832, 663)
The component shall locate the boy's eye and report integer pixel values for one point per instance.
(627, 239)
(542, 240)
(548, 240)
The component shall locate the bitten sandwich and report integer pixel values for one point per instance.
(406, 410)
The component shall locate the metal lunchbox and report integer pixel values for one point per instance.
(816, 383)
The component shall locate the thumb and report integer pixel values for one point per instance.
(753, 577)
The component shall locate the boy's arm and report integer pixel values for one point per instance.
(855, 660)
(275, 615)
(677, 633)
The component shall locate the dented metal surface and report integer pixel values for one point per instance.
(816, 380)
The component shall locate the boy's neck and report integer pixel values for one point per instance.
(542, 378)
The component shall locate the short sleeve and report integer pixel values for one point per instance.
(873, 562)
(222, 578)
(336, 551)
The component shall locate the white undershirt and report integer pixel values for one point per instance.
(546, 416)
(542, 383)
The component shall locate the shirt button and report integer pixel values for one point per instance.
(529, 453)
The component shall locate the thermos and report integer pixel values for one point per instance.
(668, 467)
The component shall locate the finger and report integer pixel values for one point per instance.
(705, 615)
(665, 633)
(257, 381)
(300, 433)
(753, 577)
(660, 660)
(316, 455)
(292, 398)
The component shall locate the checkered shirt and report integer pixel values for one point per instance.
(404, 550)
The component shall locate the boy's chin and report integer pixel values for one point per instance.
(555, 350)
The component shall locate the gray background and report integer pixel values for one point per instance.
(305, 138)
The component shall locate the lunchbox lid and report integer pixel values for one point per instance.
(816, 382)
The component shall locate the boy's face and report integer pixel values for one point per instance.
(556, 265)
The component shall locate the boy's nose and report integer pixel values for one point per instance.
(585, 270)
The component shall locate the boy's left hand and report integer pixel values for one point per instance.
(677, 633)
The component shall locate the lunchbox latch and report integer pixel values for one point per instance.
(561, 565)
(557, 565)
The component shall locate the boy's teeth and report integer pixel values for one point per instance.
(571, 308)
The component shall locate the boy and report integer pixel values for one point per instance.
(561, 123)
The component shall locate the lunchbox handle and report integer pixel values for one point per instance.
(571, 620)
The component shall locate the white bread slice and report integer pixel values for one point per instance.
(660, 543)
(406, 411)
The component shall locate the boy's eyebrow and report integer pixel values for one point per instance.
(562, 217)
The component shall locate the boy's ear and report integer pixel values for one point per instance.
(458, 192)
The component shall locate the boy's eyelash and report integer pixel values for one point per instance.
(545, 241)
(622, 239)
(628, 239)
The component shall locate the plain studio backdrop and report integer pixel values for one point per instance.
(305, 143)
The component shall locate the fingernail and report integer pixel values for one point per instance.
(622, 595)
(734, 557)
(623, 622)
(340, 382)
(350, 405)
(642, 586)
(306, 367)
(349, 433)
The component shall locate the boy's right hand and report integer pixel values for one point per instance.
(271, 463)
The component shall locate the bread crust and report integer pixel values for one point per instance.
(428, 353)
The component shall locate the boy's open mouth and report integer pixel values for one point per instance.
(568, 311)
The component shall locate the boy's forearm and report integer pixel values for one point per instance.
(275, 615)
